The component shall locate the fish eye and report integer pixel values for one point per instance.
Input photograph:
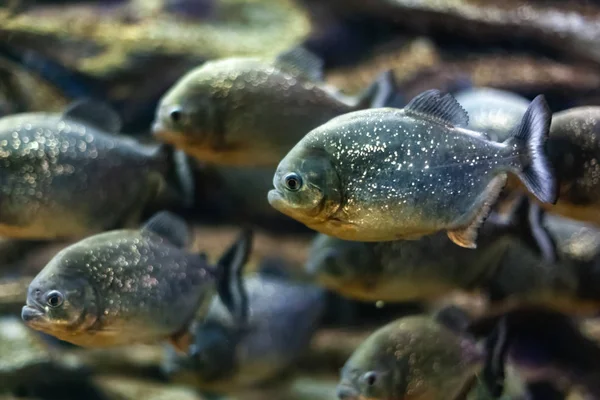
(293, 182)
(370, 378)
(176, 115)
(54, 298)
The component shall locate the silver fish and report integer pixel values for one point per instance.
(387, 174)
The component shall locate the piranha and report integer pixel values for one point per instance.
(493, 111)
(130, 286)
(251, 112)
(404, 270)
(505, 267)
(231, 352)
(69, 175)
(574, 151)
(416, 357)
(386, 174)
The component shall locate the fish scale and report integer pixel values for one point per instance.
(386, 174)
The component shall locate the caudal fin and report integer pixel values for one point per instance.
(181, 175)
(383, 92)
(230, 287)
(530, 135)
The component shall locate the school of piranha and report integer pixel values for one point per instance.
(299, 199)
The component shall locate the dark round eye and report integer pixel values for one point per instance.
(371, 378)
(293, 182)
(176, 115)
(54, 298)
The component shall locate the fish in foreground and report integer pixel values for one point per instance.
(68, 175)
(129, 286)
(230, 353)
(251, 112)
(493, 111)
(415, 357)
(387, 174)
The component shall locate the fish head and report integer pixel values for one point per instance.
(186, 114)
(307, 186)
(368, 374)
(411, 358)
(60, 304)
(344, 266)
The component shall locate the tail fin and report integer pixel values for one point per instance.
(181, 175)
(530, 136)
(383, 92)
(231, 288)
(527, 221)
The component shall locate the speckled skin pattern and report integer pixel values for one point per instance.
(495, 112)
(413, 358)
(433, 266)
(60, 178)
(120, 287)
(574, 149)
(398, 176)
(244, 111)
(283, 317)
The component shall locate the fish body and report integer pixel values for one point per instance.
(574, 150)
(227, 356)
(387, 174)
(403, 270)
(493, 111)
(411, 358)
(251, 112)
(70, 175)
(508, 266)
(124, 286)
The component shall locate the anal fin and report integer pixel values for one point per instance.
(466, 236)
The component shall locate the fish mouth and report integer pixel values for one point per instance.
(158, 128)
(347, 392)
(32, 315)
(278, 202)
(276, 199)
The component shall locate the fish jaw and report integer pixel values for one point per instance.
(277, 201)
(35, 318)
(345, 391)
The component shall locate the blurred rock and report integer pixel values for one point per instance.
(118, 388)
(570, 28)
(26, 362)
(128, 54)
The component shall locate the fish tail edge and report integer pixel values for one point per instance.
(531, 135)
(384, 92)
(183, 176)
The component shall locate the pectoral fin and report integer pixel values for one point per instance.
(467, 235)
(181, 341)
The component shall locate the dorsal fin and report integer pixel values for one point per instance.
(170, 227)
(302, 62)
(442, 108)
(96, 113)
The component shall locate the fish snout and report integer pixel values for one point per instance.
(30, 314)
(167, 117)
(345, 392)
(34, 297)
